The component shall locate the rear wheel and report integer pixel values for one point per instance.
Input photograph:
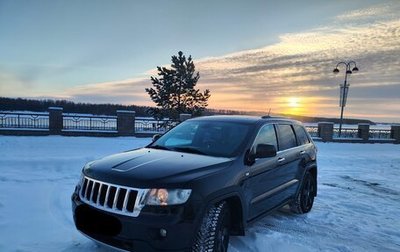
(213, 235)
(305, 198)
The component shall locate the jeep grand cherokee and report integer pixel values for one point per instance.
(197, 184)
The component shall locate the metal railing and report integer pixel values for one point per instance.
(346, 133)
(151, 125)
(313, 131)
(22, 120)
(19, 122)
(380, 134)
(89, 122)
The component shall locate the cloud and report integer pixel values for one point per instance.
(12, 84)
(381, 10)
(126, 91)
(299, 65)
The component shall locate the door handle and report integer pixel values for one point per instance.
(280, 160)
(302, 152)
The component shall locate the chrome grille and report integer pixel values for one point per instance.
(111, 197)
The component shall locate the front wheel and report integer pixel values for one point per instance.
(213, 235)
(305, 198)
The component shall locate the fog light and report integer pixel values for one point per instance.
(163, 232)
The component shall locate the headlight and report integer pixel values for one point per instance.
(164, 197)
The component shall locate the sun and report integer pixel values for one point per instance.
(294, 102)
(298, 105)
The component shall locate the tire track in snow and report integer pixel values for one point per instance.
(372, 185)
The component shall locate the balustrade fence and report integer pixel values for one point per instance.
(363, 133)
(89, 122)
(151, 125)
(12, 120)
(380, 134)
(313, 131)
(126, 124)
(57, 122)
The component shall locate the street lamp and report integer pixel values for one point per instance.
(344, 89)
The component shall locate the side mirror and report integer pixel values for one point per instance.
(262, 151)
(265, 151)
(156, 137)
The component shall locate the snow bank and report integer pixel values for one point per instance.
(357, 207)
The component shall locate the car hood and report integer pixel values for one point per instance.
(152, 167)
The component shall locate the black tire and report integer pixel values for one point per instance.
(213, 235)
(305, 198)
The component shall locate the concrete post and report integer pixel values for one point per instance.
(55, 120)
(395, 133)
(363, 131)
(325, 131)
(184, 117)
(125, 122)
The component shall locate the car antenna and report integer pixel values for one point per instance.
(267, 116)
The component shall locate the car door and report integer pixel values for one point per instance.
(289, 158)
(262, 174)
(273, 181)
(306, 148)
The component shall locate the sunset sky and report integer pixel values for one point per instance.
(252, 55)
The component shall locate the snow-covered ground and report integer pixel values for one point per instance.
(357, 209)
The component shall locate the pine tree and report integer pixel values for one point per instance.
(174, 90)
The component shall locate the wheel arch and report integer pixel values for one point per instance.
(312, 169)
(236, 211)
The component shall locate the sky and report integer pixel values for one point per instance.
(251, 55)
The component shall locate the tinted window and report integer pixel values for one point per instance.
(301, 134)
(287, 138)
(222, 139)
(266, 135)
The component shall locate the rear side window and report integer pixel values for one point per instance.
(286, 137)
(301, 134)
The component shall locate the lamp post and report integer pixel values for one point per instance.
(345, 87)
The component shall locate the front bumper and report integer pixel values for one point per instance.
(142, 233)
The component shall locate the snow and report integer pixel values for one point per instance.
(357, 209)
(89, 130)
(88, 115)
(24, 112)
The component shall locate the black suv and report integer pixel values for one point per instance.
(197, 184)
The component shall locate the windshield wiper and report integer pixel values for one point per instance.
(159, 147)
(189, 150)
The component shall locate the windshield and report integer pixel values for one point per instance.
(222, 139)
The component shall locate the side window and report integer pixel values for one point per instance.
(287, 138)
(266, 135)
(301, 134)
